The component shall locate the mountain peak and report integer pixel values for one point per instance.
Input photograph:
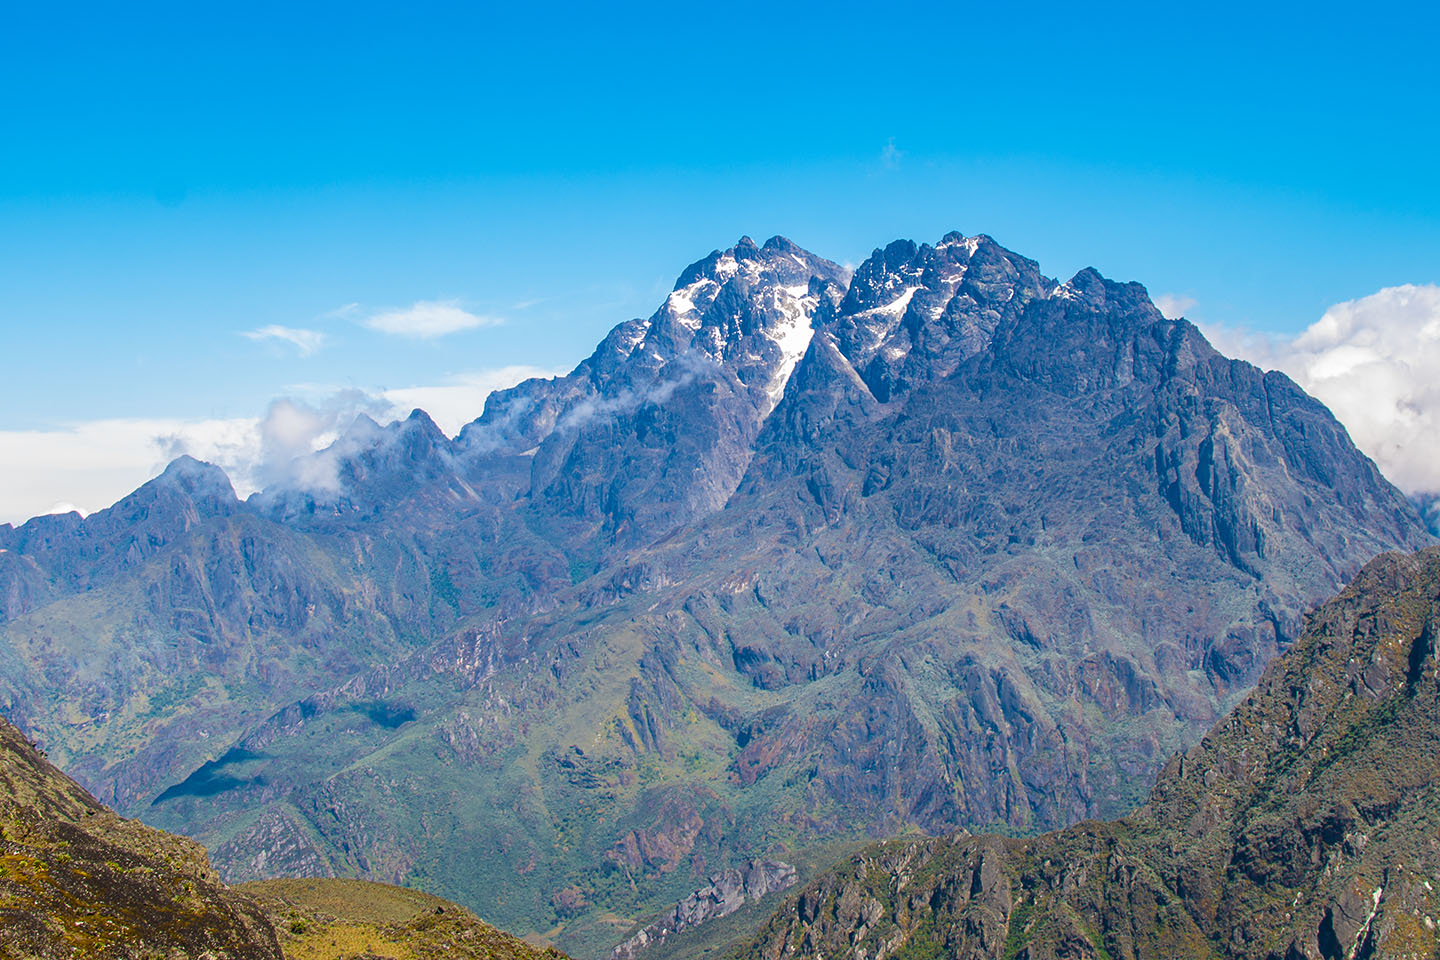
(419, 420)
(779, 244)
(196, 476)
(914, 311)
(738, 294)
(1090, 287)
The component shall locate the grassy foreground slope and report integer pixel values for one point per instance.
(321, 919)
(78, 881)
(1306, 825)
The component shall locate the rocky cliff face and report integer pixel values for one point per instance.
(1302, 826)
(657, 427)
(801, 556)
(726, 892)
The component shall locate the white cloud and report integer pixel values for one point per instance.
(306, 341)
(425, 319)
(292, 430)
(1375, 362)
(342, 312)
(88, 466)
(1172, 306)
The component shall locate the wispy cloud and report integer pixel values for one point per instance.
(305, 341)
(426, 319)
(890, 155)
(342, 312)
(1374, 363)
(1172, 306)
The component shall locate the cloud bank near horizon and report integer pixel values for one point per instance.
(88, 466)
(1375, 362)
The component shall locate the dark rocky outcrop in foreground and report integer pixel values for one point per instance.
(1305, 825)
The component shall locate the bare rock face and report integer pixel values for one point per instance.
(1302, 827)
(657, 427)
(726, 892)
(274, 846)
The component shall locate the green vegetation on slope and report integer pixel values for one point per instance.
(1305, 826)
(76, 881)
(343, 919)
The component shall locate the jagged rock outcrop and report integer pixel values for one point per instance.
(1301, 828)
(726, 892)
(656, 428)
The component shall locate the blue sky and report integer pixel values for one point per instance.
(175, 176)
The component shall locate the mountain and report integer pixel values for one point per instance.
(78, 881)
(802, 558)
(1302, 826)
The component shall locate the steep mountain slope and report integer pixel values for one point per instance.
(1305, 825)
(180, 615)
(656, 429)
(78, 881)
(798, 558)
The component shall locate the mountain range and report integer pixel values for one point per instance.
(805, 557)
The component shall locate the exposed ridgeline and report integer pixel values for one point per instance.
(1305, 825)
(801, 557)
